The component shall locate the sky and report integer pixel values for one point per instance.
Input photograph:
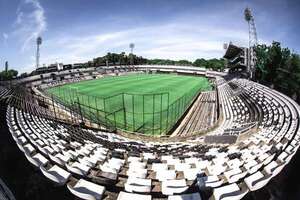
(80, 30)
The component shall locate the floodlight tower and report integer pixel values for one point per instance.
(131, 46)
(38, 43)
(251, 60)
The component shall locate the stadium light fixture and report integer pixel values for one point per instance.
(38, 43)
(131, 46)
(252, 42)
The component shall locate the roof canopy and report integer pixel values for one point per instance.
(232, 51)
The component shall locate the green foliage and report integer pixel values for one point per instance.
(168, 62)
(117, 59)
(200, 62)
(8, 75)
(184, 62)
(279, 67)
(123, 59)
(261, 64)
(214, 64)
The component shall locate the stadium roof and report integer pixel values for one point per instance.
(232, 51)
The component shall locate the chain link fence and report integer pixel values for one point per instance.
(152, 114)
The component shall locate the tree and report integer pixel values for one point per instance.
(213, 64)
(8, 75)
(184, 62)
(261, 63)
(200, 62)
(278, 67)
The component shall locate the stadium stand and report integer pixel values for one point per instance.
(262, 123)
(4, 92)
(201, 116)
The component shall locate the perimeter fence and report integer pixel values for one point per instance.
(154, 113)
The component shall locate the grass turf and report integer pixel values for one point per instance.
(141, 103)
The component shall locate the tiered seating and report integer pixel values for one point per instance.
(86, 190)
(240, 112)
(4, 92)
(201, 116)
(59, 153)
(94, 164)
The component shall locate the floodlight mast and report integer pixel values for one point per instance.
(131, 46)
(38, 43)
(251, 60)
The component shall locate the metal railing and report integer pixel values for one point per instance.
(152, 114)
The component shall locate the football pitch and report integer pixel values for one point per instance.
(145, 103)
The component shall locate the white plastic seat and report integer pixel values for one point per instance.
(89, 161)
(182, 166)
(229, 192)
(78, 168)
(202, 164)
(134, 159)
(191, 174)
(191, 160)
(22, 140)
(235, 163)
(138, 185)
(257, 180)
(71, 154)
(48, 150)
(29, 148)
(193, 196)
(213, 181)
(37, 160)
(165, 175)
(56, 174)
(138, 173)
(252, 166)
(274, 168)
(168, 157)
(159, 166)
(170, 187)
(87, 190)
(174, 162)
(140, 165)
(107, 168)
(59, 159)
(131, 196)
(148, 156)
(234, 175)
(215, 169)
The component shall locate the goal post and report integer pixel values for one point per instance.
(151, 114)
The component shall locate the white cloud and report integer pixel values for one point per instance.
(176, 39)
(19, 18)
(171, 40)
(30, 22)
(5, 37)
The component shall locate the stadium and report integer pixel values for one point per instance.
(133, 131)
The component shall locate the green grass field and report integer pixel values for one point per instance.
(150, 104)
